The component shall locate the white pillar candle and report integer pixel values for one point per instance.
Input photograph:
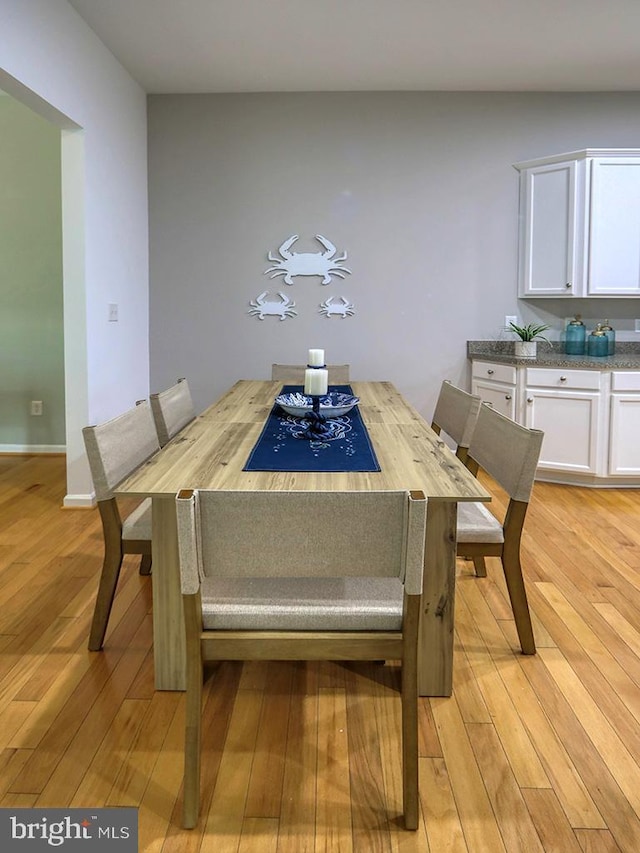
(323, 380)
(316, 358)
(316, 381)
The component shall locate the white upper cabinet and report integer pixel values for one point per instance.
(550, 236)
(614, 244)
(580, 224)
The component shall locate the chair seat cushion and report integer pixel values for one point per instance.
(302, 604)
(477, 524)
(137, 525)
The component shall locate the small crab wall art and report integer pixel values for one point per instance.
(291, 264)
(337, 306)
(263, 307)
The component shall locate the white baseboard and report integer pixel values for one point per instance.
(33, 448)
(590, 481)
(79, 501)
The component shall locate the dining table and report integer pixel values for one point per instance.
(211, 452)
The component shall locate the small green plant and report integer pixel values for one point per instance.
(532, 332)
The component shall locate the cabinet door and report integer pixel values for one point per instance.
(570, 422)
(501, 397)
(614, 245)
(549, 245)
(624, 447)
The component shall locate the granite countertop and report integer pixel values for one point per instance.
(627, 356)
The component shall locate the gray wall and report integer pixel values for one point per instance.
(417, 187)
(53, 62)
(31, 328)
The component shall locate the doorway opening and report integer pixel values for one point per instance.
(46, 366)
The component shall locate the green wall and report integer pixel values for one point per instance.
(31, 309)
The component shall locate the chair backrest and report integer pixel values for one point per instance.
(338, 373)
(172, 410)
(456, 413)
(117, 447)
(301, 534)
(507, 451)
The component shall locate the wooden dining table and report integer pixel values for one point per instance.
(210, 453)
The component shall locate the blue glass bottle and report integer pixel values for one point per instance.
(611, 337)
(598, 343)
(575, 337)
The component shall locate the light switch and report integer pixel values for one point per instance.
(113, 312)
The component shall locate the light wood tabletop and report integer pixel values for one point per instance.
(211, 452)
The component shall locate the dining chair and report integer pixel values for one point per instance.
(172, 410)
(338, 373)
(509, 453)
(301, 576)
(114, 450)
(455, 414)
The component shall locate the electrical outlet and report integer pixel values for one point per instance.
(510, 318)
(36, 407)
(113, 312)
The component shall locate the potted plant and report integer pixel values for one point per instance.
(529, 336)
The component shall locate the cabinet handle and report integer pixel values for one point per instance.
(529, 399)
(490, 372)
(568, 285)
(507, 396)
(487, 403)
(563, 379)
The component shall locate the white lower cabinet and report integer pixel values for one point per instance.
(496, 384)
(501, 397)
(567, 407)
(590, 418)
(624, 424)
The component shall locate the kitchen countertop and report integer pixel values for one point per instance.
(627, 356)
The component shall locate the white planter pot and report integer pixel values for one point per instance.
(526, 349)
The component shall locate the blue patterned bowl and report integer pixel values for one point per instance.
(332, 405)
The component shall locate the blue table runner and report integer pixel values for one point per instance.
(280, 447)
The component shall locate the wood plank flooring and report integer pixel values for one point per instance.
(531, 754)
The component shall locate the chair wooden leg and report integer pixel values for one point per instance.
(410, 788)
(518, 595)
(145, 564)
(410, 758)
(104, 599)
(480, 566)
(191, 801)
(193, 721)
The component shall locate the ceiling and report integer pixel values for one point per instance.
(179, 46)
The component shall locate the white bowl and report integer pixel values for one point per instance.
(332, 405)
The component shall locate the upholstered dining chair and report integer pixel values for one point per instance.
(114, 450)
(455, 414)
(294, 373)
(509, 453)
(172, 410)
(301, 576)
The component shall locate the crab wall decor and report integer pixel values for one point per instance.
(337, 306)
(291, 264)
(262, 307)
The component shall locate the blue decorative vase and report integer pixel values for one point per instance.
(598, 344)
(575, 337)
(611, 337)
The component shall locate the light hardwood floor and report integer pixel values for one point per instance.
(530, 754)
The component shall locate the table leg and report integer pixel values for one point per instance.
(435, 649)
(168, 619)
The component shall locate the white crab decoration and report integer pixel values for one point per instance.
(263, 307)
(307, 263)
(337, 305)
